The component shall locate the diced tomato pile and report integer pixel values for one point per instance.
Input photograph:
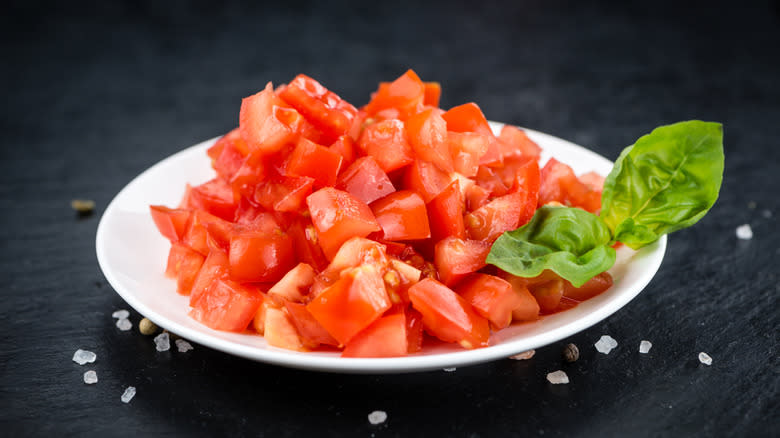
(366, 230)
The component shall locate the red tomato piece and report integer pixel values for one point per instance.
(215, 266)
(414, 330)
(488, 179)
(227, 306)
(312, 333)
(528, 309)
(171, 222)
(514, 142)
(467, 149)
(425, 179)
(432, 94)
(314, 161)
(365, 180)
(385, 337)
(427, 133)
(323, 108)
(279, 330)
(352, 303)
(406, 95)
(184, 265)
(359, 251)
(227, 154)
(527, 180)
(402, 216)
(337, 216)
(497, 216)
(197, 235)
(593, 181)
(266, 123)
(285, 194)
(590, 289)
(295, 284)
(345, 147)
(260, 256)
(548, 295)
(445, 213)
(448, 316)
(386, 142)
(491, 297)
(455, 258)
(560, 184)
(476, 196)
(305, 243)
(467, 118)
(215, 197)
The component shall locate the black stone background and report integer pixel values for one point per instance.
(93, 95)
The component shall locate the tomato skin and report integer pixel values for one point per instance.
(227, 154)
(455, 258)
(427, 133)
(365, 180)
(497, 216)
(386, 142)
(309, 159)
(323, 108)
(197, 235)
(215, 266)
(171, 222)
(337, 216)
(350, 304)
(311, 332)
(467, 118)
(405, 95)
(284, 194)
(227, 305)
(345, 147)
(590, 289)
(445, 213)
(514, 142)
(266, 123)
(414, 330)
(467, 149)
(491, 297)
(402, 216)
(447, 315)
(425, 179)
(260, 257)
(214, 196)
(385, 337)
(432, 94)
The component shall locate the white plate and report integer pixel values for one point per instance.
(132, 255)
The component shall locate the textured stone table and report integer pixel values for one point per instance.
(92, 97)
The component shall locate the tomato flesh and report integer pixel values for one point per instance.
(365, 180)
(386, 141)
(402, 216)
(385, 337)
(337, 216)
(491, 297)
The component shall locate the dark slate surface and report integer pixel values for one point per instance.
(91, 97)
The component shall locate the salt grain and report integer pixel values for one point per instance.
(162, 342)
(128, 394)
(120, 314)
(124, 324)
(449, 370)
(705, 358)
(744, 232)
(766, 213)
(83, 356)
(645, 346)
(377, 417)
(183, 346)
(605, 344)
(90, 377)
(524, 355)
(558, 377)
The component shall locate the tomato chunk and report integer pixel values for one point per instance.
(402, 216)
(455, 258)
(171, 222)
(405, 95)
(285, 194)
(337, 216)
(425, 179)
(386, 142)
(266, 123)
(353, 302)
(365, 180)
(467, 118)
(467, 149)
(260, 256)
(432, 94)
(448, 316)
(227, 306)
(560, 184)
(491, 297)
(345, 147)
(590, 289)
(312, 333)
(427, 133)
(497, 216)
(548, 294)
(279, 330)
(323, 108)
(445, 213)
(314, 161)
(215, 197)
(294, 285)
(385, 337)
(514, 142)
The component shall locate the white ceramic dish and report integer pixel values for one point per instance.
(132, 255)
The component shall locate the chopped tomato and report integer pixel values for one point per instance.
(215, 197)
(514, 142)
(445, 213)
(227, 305)
(405, 95)
(279, 330)
(560, 184)
(432, 94)
(171, 222)
(402, 216)
(345, 147)
(548, 295)
(467, 118)
(386, 142)
(260, 256)
(306, 244)
(352, 303)
(294, 286)
(455, 258)
(491, 297)
(337, 216)
(266, 122)
(385, 337)
(425, 179)
(591, 288)
(528, 308)
(414, 330)
(184, 265)
(497, 216)
(448, 316)
(312, 160)
(311, 332)
(467, 149)
(427, 133)
(286, 194)
(365, 180)
(323, 108)
(359, 251)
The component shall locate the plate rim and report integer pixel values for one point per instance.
(313, 362)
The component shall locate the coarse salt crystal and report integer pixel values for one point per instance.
(377, 417)
(120, 314)
(90, 377)
(183, 346)
(766, 213)
(128, 394)
(124, 324)
(162, 342)
(449, 370)
(83, 356)
(645, 346)
(605, 344)
(705, 358)
(744, 232)
(558, 377)
(524, 355)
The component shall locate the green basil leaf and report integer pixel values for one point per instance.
(569, 241)
(666, 181)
